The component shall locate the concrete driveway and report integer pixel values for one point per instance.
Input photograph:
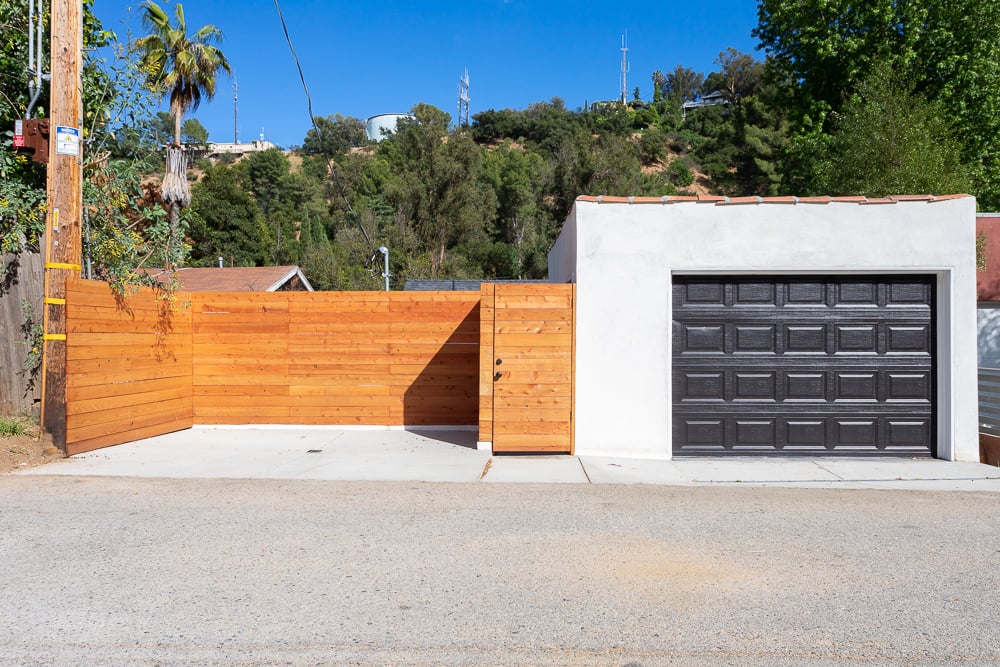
(451, 456)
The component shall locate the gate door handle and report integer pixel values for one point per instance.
(497, 376)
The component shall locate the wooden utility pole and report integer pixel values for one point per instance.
(64, 189)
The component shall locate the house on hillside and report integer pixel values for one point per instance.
(236, 279)
(713, 99)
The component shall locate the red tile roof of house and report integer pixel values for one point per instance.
(233, 279)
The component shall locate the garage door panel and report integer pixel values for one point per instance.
(808, 386)
(753, 339)
(806, 338)
(908, 386)
(755, 293)
(808, 293)
(815, 436)
(815, 364)
(701, 339)
(802, 337)
(908, 338)
(856, 339)
(909, 292)
(855, 293)
(710, 292)
(702, 387)
(856, 387)
(903, 433)
(760, 386)
(856, 384)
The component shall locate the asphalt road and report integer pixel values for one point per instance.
(102, 571)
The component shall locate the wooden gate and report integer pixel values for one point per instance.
(526, 367)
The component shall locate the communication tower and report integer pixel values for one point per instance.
(236, 115)
(463, 99)
(625, 67)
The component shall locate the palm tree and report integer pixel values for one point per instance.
(185, 67)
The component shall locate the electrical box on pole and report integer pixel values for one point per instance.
(32, 137)
(64, 189)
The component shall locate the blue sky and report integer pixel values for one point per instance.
(366, 58)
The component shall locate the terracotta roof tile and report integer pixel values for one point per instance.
(786, 199)
(743, 200)
(912, 197)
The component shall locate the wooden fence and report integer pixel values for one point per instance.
(339, 358)
(137, 368)
(374, 358)
(20, 281)
(128, 366)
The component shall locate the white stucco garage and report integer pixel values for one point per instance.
(895, 279)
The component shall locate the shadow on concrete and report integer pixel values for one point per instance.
(463, 438)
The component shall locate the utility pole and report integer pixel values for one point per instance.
(64, 190)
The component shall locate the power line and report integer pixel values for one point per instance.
(319, 135)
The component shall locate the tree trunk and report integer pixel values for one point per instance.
(175, 194)
(177, 113)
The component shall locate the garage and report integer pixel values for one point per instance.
(773, 326)
(803, 365)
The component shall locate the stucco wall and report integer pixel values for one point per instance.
(622, 257)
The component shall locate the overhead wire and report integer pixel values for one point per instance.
(319, 136)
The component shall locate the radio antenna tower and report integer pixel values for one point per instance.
(463, 99)
(624, 67)
(236, 113)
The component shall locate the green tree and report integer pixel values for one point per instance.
(162, 127)
(741, 72)
(193, 132)
(438, 190)
(184, 68)
(821, 50)
(335, 135)
(226, 222)
(517, 178)
(684, 84)
(887, 140)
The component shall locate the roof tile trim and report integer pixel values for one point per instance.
(726, 201)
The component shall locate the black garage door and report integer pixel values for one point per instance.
(808, 365)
